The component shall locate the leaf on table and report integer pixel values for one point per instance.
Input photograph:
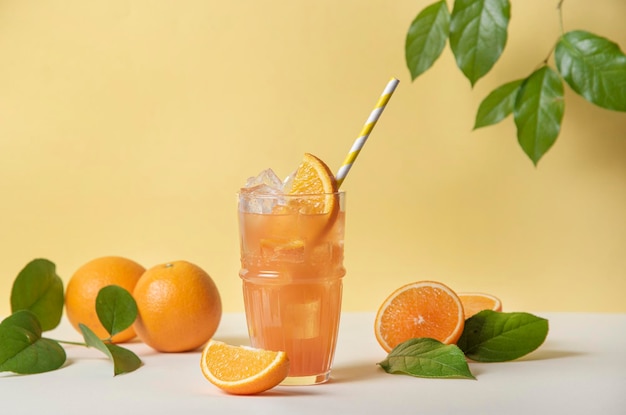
(39, 289)
(427, 358)
(116, 309)
(492, 336)
(538, 112)
(498, 104)
(124, 360)
(594, 67)
(427, 37)
(478, 35)
(23, 350)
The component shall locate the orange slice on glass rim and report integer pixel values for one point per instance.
(242, 370)
(476, 302)
(419, 309)
(314, 177)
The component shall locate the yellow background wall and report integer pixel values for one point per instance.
(126, 128)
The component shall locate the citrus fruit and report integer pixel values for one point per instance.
(86, 282)
(419, 309)
(476, 302)
(290, 251)
(243, 370)
(313, 177)
(179, 307)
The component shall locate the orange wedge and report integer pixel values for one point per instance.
(283, 250)
(314, 177)
(476, 302)
(419, 309)
(243, 370)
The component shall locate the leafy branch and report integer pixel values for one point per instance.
(37, 306)
(592, 66)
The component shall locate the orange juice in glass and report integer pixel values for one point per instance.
(292, 270)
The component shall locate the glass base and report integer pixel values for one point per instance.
(306, 380)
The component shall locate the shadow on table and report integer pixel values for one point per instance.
(354, 372)
(537, 355)
(283, 391)
(547, 354)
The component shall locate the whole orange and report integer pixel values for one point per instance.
(179, 307)
(86, 282)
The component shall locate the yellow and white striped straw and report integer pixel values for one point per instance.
(366, 130)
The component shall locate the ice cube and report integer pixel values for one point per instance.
(304, 319)
(264, 180)
(321, 253)
(264, 184)
(288, 182)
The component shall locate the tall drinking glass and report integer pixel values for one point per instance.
(292, 270)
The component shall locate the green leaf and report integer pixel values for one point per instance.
(124, 360)
(498, 104)
(116, 309)
(427, 358)
(92, 340)
(492, 336)
(478, 34)
(39, 289)
(538, 112)
(427, 37)
(594, 67)
(23, 350)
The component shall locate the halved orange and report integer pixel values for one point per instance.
(242, 370)
(419, 309)
(477, 302)
(314, 177)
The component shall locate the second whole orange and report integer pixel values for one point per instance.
(179, 307)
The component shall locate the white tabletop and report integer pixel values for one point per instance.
(580, 369)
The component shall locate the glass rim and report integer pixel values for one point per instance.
(287, 195)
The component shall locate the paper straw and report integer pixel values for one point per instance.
(366, 130)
